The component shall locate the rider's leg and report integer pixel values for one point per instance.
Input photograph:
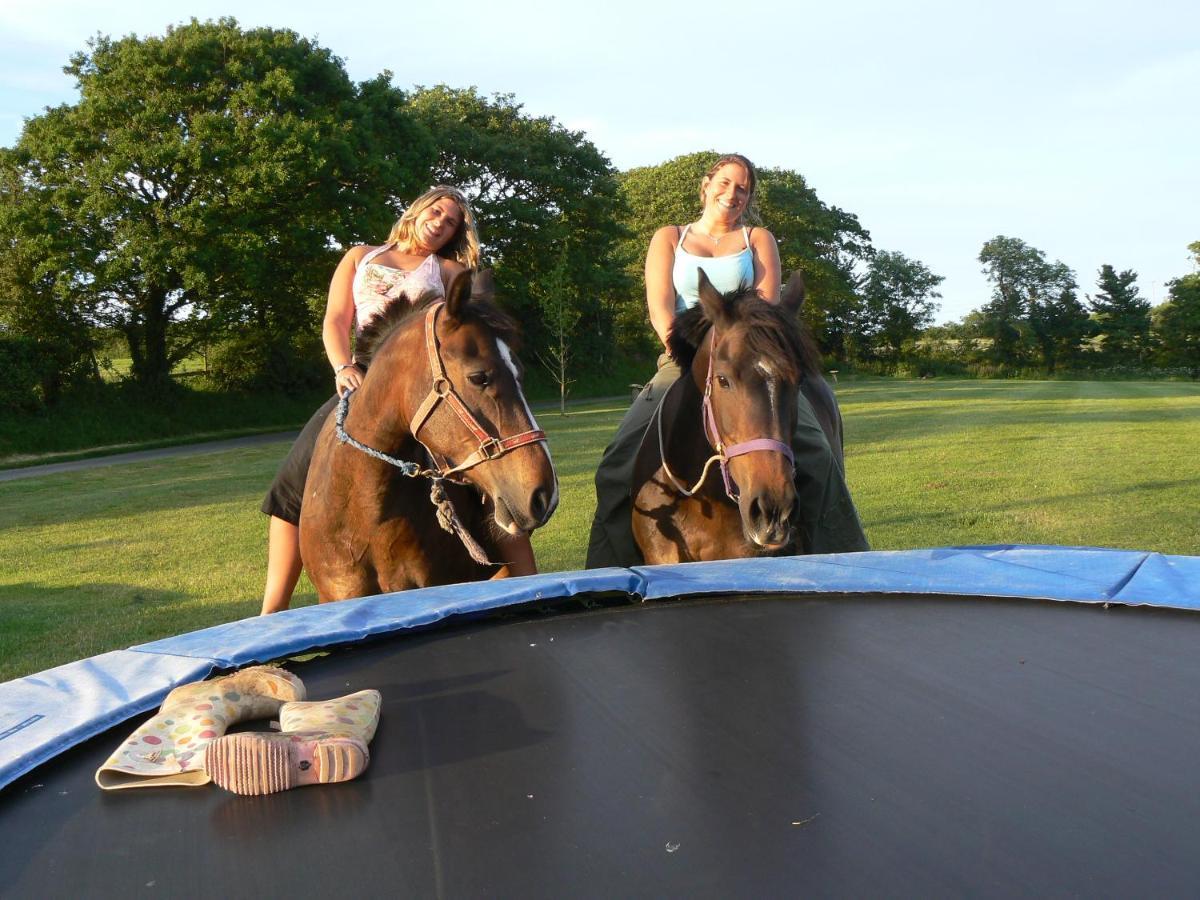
(828, 520)
(282, 504)
(283, 564)
(611, 540)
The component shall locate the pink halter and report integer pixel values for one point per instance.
(724, 454)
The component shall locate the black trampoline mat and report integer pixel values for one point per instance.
(766, 746)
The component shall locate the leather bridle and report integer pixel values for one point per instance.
(442, 390)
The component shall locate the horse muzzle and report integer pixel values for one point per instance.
(767, 520)
(537, 509)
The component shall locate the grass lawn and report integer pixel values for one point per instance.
(101, 559)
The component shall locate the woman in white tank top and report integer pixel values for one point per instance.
(733, 255)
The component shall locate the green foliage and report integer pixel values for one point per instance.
(1122, 317)
(1178, 323)
(544, 197)
(1033, 304)
(21, 373)
(825, 243)
(204, 176)
(898, 301)
(267, 360)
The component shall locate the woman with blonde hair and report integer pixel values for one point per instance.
(734, 254)
(429, 244)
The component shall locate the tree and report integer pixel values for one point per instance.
(822, 241)
(560, 313)
(1178, 320)
(1059, 325)
(1026, 288)
(544, 198)
(58, 349)
(1122, 317)
(207, 176)
(898, 295)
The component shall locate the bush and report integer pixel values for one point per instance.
(265, 361)
(22, 370)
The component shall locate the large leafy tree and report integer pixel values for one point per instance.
(1122, 317)
(899, 296)
(823, 241)
(205, 176)
(1030, 306)
(547, 207)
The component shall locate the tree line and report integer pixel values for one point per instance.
(200, 190)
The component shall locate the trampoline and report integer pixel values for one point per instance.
(985, 721)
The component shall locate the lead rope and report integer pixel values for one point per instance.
(662, 455)
(446, 516)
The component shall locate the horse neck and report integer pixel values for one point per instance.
(685, 446)
(380, 414)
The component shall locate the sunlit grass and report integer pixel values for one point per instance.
(101, 559)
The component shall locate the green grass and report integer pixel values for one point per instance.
(101, 559)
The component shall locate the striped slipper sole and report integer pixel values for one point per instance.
(251, 763)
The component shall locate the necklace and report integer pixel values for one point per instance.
(716, 240)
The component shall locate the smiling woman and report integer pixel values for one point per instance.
(724, 249)
(432, 242)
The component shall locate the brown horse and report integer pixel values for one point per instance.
(732, 409)
(415, 475)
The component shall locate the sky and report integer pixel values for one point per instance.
(1072, 126)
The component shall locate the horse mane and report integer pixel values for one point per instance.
(398, 311)
(771, 332)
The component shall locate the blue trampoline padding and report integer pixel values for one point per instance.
(44, 714)
(1079, 574)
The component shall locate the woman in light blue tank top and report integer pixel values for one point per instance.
(733, 255)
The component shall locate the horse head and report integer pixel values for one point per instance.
(749, 370)
(462, 400)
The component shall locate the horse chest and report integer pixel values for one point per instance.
(672, 528)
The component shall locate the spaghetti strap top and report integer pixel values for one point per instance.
(727, 273)
(376, 285)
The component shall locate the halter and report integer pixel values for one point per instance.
(723, 454)
(489, 447)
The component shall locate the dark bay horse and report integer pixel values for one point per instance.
(440, 409)
(733, 410)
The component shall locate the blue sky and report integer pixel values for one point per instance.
(1072, 126)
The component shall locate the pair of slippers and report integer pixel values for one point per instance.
(318, 742)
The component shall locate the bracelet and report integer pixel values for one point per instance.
(337, 370)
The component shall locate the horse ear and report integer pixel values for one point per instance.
(711, 300)
(483, 287)
(793, 293)
(458, 294)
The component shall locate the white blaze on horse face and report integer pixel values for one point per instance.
(772, 380)
(506, 355)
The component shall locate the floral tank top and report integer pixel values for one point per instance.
(376, 285)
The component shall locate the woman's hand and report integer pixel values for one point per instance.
(348, 378)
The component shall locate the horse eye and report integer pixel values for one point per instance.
(479, 379)
(723, 381)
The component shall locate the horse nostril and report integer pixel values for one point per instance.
(539, 504)
(756, 511)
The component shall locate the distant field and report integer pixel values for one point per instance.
(102, 559)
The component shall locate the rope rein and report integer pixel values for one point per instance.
(447, 518)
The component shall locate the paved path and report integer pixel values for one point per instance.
(144, 455)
